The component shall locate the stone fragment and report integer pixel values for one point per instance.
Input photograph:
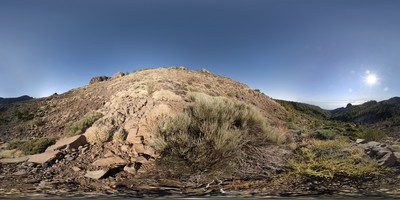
(99, 174)
(361, 141)
(68, 143)
(76, 169)
(110, 161)
(129, 169)
(48, 157)
(14, 160)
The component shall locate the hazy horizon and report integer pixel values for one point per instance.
(326, 53)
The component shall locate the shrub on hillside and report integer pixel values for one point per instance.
(330, 158)
(211, 134)
(80, 126)
(370, 134)
(34, 146)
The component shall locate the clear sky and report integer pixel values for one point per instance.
(325, 52)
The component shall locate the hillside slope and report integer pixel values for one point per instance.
(49, 116)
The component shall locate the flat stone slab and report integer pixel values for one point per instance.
(68, 143)
(97, 174)
(48, 157)
(14, 160)
(109, 161)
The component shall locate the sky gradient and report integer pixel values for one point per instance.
(313, 51)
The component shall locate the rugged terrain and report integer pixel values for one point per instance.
(123, 135)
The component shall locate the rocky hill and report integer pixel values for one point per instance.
(176, 131)
(13, 100)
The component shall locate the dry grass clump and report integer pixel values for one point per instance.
(211, 135)
(330, 158)
(12, 153)
(82, 124)
(120, 135)
(166, 95)
(102, 131)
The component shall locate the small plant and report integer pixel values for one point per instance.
(34, 146)
(150, 87)
(80, 126)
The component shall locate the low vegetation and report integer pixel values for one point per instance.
(211, 134)
(80, 126)
(330, 158)
(34, 146)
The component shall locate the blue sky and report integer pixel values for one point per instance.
(314, 51)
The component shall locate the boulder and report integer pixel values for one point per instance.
(109, 162)
(380, 152)
(99, 174)
(14, 160)
(98, 79)
(118, 75)
(48, 157)
(68, 143)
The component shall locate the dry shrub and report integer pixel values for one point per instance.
(212, 135)
(120, 135)
(166, 95)
(330, 158)
(102, 131)
(13, 153)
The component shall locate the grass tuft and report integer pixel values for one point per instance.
(30, 147)
(80, 126)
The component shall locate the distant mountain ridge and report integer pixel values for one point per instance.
(16, 99)
(367, 113)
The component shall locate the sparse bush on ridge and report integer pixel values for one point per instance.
(33, 146)
(211, 134)
(80, 126)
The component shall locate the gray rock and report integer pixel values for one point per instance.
(99, 174)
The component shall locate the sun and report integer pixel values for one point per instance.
(371, 79)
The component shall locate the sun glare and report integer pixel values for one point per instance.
(371, 79)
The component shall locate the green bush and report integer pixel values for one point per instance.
(331, 158)
(34, 146)
(80, 126)
(325, 134)
(370, 134)
(211, 134)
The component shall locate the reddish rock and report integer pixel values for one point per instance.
(68, 143)
(14, 160)
(97, 174)
(110, 161)
(48, 157)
